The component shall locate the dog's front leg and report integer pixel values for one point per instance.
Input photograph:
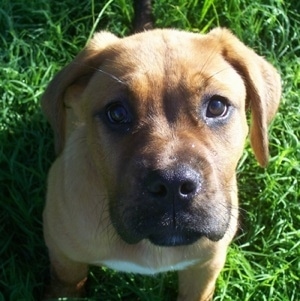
(67, 277)
(198, 282)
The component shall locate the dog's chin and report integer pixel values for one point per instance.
(162, 227)
(161, 234)
(182, 239)
(173, 240)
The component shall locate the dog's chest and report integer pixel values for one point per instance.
(132, 267)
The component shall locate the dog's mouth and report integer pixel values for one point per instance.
(174, 238)
(171, 207)
(166, 231)
(182, 238)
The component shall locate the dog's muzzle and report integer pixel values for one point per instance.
(172, 207)
(173, 190)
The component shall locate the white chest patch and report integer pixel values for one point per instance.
(130, 267)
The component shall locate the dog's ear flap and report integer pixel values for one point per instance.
(263, 87)
(66, 87)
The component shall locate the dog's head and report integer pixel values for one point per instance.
(164, 120)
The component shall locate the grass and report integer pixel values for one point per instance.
(38, 37)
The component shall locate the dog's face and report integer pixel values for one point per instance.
(164, 120)
(171, 131)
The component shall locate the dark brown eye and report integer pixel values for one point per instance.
(217, 107)
(117, 114)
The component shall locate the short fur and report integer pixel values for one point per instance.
(112, 192)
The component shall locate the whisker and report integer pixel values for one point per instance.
(101, 71)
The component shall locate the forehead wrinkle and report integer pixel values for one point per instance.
(159, 75)
(168, 94)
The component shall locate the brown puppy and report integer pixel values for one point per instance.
(148, 131)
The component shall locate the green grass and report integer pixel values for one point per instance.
(38, 37)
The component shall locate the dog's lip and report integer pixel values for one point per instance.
(167, 238)
(174, 239)
(169, 235)
(181, 239)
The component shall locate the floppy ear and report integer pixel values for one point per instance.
(60, 100)
(263, 87)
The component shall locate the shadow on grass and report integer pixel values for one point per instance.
(25, 156)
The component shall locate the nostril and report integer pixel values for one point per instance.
(157, 188)
(173, 184)
(187, 188)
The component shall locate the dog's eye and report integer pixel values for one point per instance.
(118, 114)
(217, 107)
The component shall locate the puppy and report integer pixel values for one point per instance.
(148, 133)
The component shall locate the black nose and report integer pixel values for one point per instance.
(177, 183)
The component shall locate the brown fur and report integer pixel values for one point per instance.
(99, 209)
